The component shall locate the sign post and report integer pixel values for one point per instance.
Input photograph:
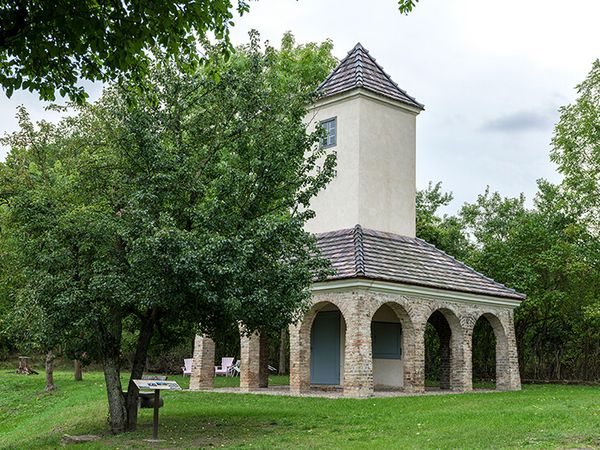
(157, 386)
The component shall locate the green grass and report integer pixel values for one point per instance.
(537, 417)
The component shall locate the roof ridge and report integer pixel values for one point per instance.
(392, 81)
(359, 250)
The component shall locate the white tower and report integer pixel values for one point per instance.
(370, 124)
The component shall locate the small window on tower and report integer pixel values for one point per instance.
(330, 127)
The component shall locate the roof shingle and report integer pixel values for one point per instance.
(364, 253)
(360, 70)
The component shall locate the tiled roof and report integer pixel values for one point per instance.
(363, 253)
(360, 70)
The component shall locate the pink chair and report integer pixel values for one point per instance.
(226, 363)
(187, 367)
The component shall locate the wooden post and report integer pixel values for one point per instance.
(156, 406)
(78, 374)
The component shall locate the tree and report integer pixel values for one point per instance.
(185, 210)
(540, 251)
(48, 46)
(546, 251)
(576, 151)
(445, 232)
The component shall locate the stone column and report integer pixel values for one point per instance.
(358, 359)
(467, 359)
(459, 368)
(299, 358)
(203, 364)
(249, 361)
(418, 357)
(508, 377)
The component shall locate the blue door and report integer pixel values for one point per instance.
(325, 348)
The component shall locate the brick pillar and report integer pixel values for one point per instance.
(358, 359)
(418, 358)
(467, 352)
(263, 370)
(507, 360)
(299, 358)
(203, 364)
(458, 363)
(249, 361)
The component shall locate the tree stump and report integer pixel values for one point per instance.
(24, 368)
(78, 370)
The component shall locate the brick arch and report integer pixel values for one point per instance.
(309, 316)
(450, 330)
(407, 338)
(502, 348)
(300, 336)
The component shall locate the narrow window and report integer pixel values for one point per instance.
(330, 127)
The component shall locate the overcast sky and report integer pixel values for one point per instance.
(492, 75)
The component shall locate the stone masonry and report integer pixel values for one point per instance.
(203, 364)
(455, 319)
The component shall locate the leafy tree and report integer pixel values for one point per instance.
(445, 232)
(576, 150)
(187, 209)
(47, 46)
(538, 251)
(546, 251)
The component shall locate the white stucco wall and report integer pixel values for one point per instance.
(387, 167)
(336, 207)
(375, 182)
(388, 373)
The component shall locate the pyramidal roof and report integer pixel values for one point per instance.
(363, 253)
(360, 70)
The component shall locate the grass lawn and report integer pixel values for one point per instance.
(537, 417)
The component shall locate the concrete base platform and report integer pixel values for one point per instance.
(338, 393)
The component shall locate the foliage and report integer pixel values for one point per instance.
(550, 251)
(50, 46)
(543, 251)
(186, 209)
(537, 417)
(445, 232)
(47, 46)
(576, 151)
(406, 6)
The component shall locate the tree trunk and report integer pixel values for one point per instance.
(50, 372)
(283, 352)
(137, 369)
(117, 415)
(78, 370)
(110, 340)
